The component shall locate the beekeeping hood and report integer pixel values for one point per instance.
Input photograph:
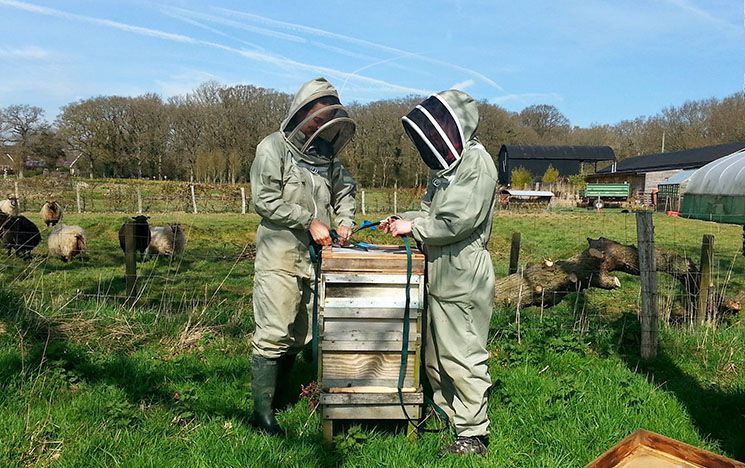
(441, 126)
(333, 135)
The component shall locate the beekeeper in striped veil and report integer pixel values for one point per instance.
(453, 227)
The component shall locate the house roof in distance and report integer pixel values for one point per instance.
(693, 158)
(571, 153)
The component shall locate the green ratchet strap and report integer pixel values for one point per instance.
(419, 427)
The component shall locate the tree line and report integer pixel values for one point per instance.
(211, 134)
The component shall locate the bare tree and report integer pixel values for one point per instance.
(19, 124)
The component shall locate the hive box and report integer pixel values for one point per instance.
(361, 325)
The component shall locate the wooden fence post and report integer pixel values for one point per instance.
(130, 260)
(243, 200)
(364, 211)
(77, 197)
(515, 252)
(707, 279)
(395, 197)
(193, 199)
(139, 201)
(648, 275)
(18, 199)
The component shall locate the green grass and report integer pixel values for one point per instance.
(88, 381)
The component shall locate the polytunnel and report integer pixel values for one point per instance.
(716, 192)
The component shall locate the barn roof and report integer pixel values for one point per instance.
(571, 153)
(685, 159)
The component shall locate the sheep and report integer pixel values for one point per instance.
(10, 206)
(141, 234)
(67, 242)
(51, 213)
(166, 240)
(17, 232)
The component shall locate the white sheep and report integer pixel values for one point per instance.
(10, 206)
(67, 242)
(166, 240)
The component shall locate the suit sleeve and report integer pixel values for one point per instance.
(464, 206)
(266, 190)
(344, 190)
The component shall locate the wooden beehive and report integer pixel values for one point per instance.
(645, 449)
(361, 318)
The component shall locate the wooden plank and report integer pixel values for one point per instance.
(372, 389)
(371, 398)
(362, 366)
(340, 345)
(335, 325)
(371, 292)
(390, 259)
(409, 382)
(367, 313)
(382, 302)
(356, 278)
(370, 412)
(656, 450)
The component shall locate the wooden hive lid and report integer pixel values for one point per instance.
(385, 259)
(644, 448)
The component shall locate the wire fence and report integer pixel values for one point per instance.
(139, 196)
(216, 270)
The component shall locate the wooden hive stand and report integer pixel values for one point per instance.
(360, 335)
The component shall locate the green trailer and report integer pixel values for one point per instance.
(602, 194)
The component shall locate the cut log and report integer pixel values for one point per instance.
(547, 283)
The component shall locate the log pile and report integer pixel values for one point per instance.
(548, 282)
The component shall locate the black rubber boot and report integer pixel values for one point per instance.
(284, 393)
(264, 384)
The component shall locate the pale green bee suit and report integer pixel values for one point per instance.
(454, 228)
(294, 179)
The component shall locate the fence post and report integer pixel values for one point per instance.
(395, 197)
(18, 199)
(193, 199)
(515, 252)
(130, 260)
(77, 197)
(139, 201)
(364, 211)
(707, 280)
(648, 274)
(243, 200)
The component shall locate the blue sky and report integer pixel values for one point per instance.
(597, 61)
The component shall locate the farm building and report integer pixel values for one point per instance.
(536, 159)
(716, 192)
(645, 173)
(669, 196)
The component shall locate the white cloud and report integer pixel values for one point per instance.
(463, 85)
(24, 53)
(281, 62)
(527, 97)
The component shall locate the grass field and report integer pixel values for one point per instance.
(87, 381)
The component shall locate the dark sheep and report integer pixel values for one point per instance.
(142, 234)
(51, 213)
(18, 233)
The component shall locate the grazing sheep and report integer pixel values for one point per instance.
(166, 240)
(9, 206)
(51, 213)
(67, 242)
(142, 234)
(19, 234)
